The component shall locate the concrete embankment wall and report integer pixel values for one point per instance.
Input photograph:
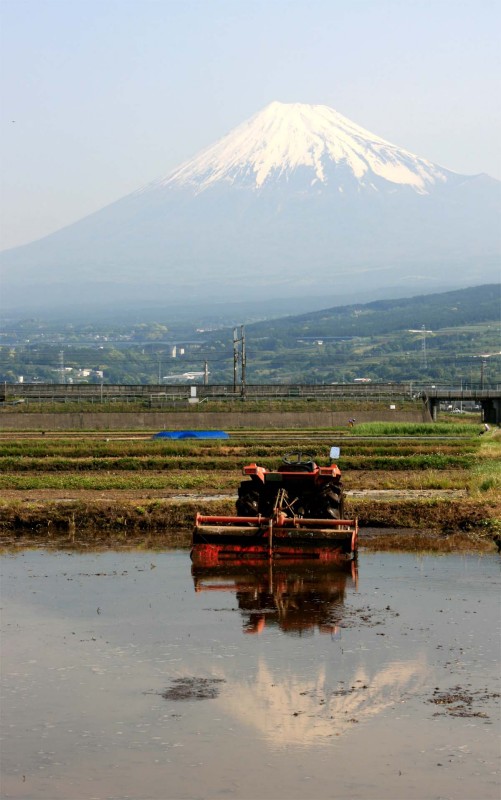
(210, 420)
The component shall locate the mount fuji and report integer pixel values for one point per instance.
(296, 201)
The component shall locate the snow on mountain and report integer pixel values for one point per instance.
(296, 200)
(282, 137)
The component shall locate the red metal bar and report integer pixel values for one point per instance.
(258, 521)
(304, 522)
(279, 522)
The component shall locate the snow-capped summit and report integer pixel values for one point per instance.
(296, 201)
(284, 137)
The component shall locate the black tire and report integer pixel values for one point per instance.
(248, 500)
(328, 504)
(332, 512)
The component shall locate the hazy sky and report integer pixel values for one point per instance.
(102, 96)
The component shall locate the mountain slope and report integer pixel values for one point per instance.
(297, 200)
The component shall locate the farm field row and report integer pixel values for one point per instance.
(59, 484)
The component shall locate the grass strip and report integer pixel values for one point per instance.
(222, 481)
(416, 429)
(49, 464)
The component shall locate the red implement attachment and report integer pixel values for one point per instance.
(217, 539)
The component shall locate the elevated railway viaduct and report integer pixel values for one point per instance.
(158, 396)
(489, 399)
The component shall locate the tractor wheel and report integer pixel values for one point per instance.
(248, 500)
(329, 503)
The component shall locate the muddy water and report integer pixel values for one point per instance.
(127, 676)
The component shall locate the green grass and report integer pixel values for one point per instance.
(437, 461)
(173, 481)
(218, 481)
(406, 479)
(416, 429)
(486, 477)
(395, 461)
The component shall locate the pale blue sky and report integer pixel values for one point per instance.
(101, 96)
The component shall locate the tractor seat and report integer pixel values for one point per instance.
(305, 466)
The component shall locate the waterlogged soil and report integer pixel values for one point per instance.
(133, 674)
(193, 689)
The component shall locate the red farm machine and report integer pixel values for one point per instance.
(294, 512)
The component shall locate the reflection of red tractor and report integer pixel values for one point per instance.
(298, 488)
(298, 596)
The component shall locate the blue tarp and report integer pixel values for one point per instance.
(191, 435)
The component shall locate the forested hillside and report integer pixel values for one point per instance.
(450, 337)
(435, 311)
(441, 337)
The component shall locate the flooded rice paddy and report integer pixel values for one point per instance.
(134, 675)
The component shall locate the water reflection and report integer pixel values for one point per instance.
(297, 598)
(288, 705)
(288, 709)
(119, 680)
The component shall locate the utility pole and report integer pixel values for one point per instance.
(61, 367)
(239, 356)
(206, 373)
(482, 367)
(423, 349)
(423, 332)
(244, 359)
(235, 359)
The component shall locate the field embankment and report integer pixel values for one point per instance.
(231, 417)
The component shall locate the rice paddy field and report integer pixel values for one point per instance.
(442, 481)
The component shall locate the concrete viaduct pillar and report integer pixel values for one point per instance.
(491, 408)
(433, 406)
